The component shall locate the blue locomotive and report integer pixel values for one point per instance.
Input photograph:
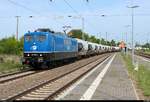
(44, 46)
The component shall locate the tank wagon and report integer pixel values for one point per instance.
(82, 48)
(45, 47)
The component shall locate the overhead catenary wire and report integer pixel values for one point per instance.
(89, 7)
(75, 11)
(59, 16)
(71, 7)
(78, 13)
(25, 7)
(91, 10)
(39, 13)
(116, 15)
(29, 9)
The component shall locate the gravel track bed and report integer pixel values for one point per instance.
(16, 86)
(13, 77)
(8, 73)
(143, 55)
(56, 86)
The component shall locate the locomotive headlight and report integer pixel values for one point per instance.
(28, 54)
(40, 54)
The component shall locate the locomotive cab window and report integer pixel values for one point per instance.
(41, 38)
(28, 38)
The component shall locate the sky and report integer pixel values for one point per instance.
(54, 15)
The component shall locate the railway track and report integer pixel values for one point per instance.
(13, 73)
(17, 75)
(50, 88)
(143, 55)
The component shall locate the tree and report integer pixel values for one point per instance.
(146, 45)
(98, 41)
(113, 43)
(137, 45)
(11, 46)
(93, 39)
(20, 45)
(103, 42)
(75, 33)
(86, 37)
(108, 43)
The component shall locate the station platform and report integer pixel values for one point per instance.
(109, 81)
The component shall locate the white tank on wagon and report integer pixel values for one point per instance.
(91, 48)
(101, 49)
(96, 48)
(108, 48)
(116, 48)
(84, 45)
(104, 48)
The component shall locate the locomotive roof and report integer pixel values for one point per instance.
(46, 32)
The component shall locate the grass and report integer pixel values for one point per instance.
(10, 67)
(10, 63)
(142, 76)
(147, 52)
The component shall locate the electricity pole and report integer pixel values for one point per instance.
(100, 37)
(106, 38)
(132, 8)
(83, 28)
(17, 28)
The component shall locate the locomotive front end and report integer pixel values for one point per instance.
(35, 47)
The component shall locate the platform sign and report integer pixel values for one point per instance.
(122, 44)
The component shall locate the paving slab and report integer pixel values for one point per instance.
(79, 90)
(115, 85)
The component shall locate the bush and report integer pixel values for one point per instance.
(11, 46)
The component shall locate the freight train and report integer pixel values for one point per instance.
(45, 47)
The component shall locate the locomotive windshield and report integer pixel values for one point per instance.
(28, 38)
(41, 38)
